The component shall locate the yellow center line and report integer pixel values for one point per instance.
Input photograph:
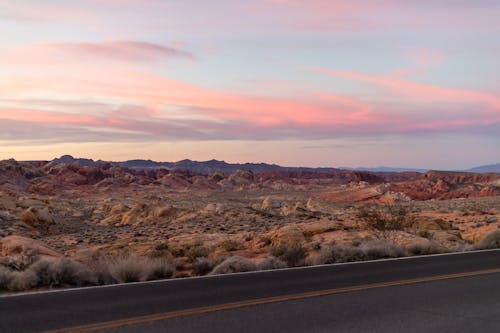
(241, 304)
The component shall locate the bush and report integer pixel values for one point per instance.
(197, 252)
(62, 272)
(490, 241)
(159, 250)
(23, 280)
(424, 233)
(425, 248)
(230, 245)
(308, 235)
(336, 254)
(370, 250)
(65, 272)
(378, 250)
(126, 269)
(203, 266)
(47, 273)
(234, 264)
(382, 220)
(292, 255)
(158, 269)
(5, 278)
(271, 263)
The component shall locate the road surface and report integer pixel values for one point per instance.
(441, 293)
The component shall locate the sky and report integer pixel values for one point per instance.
(299, 83)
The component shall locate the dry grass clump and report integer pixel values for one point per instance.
(425, 248)
(271, 263)
(197, 251)
(126, 269)
(47, 273)
(159, 269)
(23, 280)
(382, 220)
(231, 245)
(336, 254)
(490, 241)
(67, 273)
(293, 255)
(62, 272)
(203, 266)
(191, 251)
(371, 250)
(377, 249)
(5, 278)
(234, 264)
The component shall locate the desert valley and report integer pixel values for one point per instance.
(75, 222)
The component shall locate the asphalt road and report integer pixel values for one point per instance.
(445, 293)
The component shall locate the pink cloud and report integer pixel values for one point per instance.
(421, 91)
(119, 50)
(72, 52)
(149, 104)
(424, 57)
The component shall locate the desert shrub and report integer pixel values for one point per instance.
(59, 272)
(378, 250)
(203, 266)
(490, 241)
(178, 251)
(370, 250)
(383, 219)
(159, 250)
(336, 254)
(308, 235)
(424, 233)
(271, 263)
(159, 268)
(65, 272)
(104, 277)
(5, 278)
(234, 264)
(424, 248)
(292, 254)
(265, 240)
(230, 245)
(47, 273)
(127, 269)
(197, 251)
(23, 280)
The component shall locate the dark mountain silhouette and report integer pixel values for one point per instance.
(203, 167)
(212, 166)
(486, 168)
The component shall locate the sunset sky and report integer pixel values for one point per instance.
(310, 83)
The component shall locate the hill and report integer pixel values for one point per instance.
(486, 168)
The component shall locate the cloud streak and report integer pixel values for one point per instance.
(74, 52)
(120, 50)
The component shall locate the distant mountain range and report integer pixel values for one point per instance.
(486, 168)
(212, 166)
(385, 169)
(205, 167)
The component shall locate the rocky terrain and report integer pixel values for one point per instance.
(77, 222)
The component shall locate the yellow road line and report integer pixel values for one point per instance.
(235, 305)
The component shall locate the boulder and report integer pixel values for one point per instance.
(18, 245)
(36, 217)
(290, 235)
(269, 204)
